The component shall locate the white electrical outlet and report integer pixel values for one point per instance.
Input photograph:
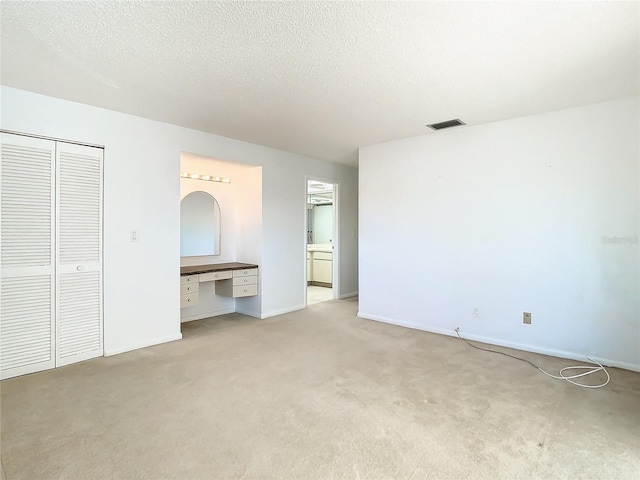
(476, 312)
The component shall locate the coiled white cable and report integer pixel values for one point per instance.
(590, 369)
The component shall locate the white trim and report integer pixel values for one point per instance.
(348, 295)
(55, 139)
(335, 255)
(27, 370)
(502, 343)
(283, 311)
(148, 343)
(200, 316)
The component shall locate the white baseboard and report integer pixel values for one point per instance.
(348, 295)
(147, 343)
(282, 312)
(505, 343)
(200, 316)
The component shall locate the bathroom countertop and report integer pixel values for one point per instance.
(320, 247)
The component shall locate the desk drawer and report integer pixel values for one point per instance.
(245, 291)
(237, 281)
(322, 256)
(188, 279)
(245, 273)
(221, 275)
(189, 288)
(189, 299)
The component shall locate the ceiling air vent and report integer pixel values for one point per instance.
(447, 124)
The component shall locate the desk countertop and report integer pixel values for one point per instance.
(215, 267)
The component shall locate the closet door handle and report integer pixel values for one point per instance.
(80, 268)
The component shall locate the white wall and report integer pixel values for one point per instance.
(142, 191)
(249, 234)
(510, 217)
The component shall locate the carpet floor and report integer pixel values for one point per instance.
(316, 394)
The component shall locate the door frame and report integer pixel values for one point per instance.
(335, 262)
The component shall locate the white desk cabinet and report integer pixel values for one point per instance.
(189, 290)
(231, 280)
(244, 283)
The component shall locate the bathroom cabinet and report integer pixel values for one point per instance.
(320, 268)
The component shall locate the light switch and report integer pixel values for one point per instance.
(134, 235)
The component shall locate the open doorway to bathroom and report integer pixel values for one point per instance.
(321, 241)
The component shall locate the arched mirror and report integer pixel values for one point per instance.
(199, 225)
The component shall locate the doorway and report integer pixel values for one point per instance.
(321, 241)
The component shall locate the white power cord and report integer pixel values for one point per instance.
(590, 369)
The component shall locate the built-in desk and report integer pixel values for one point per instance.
(232, 280)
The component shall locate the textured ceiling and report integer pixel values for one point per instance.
(323, 78)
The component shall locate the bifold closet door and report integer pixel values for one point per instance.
(79, 253)
(51, 255)
(27, 328)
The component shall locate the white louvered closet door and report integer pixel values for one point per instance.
(79, 253)
(27, 329)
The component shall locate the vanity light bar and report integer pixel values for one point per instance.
(208, 178)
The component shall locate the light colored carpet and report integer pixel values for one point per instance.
(316, 394)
